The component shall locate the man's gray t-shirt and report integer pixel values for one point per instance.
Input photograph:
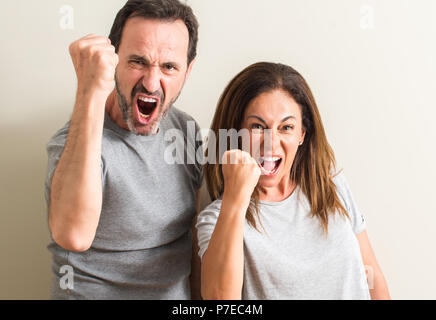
(142, 247)
(292, 258)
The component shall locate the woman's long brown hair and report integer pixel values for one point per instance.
(314, 161)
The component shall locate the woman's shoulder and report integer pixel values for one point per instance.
(207, 218)
(339, 178)
(342, 188)
(347, 198)
(214, 207)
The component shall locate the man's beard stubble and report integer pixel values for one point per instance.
(129, 113)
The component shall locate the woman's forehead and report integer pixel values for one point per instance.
(273, 105)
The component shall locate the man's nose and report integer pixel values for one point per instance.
(151, 79)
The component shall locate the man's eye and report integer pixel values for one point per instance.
(137, 62)
(169, 67)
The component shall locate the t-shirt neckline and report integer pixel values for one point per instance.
(282, 202)
(109, 123)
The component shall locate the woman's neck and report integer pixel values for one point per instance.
(279, 192)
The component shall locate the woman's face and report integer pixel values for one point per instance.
(274, 149)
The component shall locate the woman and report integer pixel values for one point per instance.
(283, 224)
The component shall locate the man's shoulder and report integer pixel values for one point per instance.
(176, 112)
(179, 118)
(60, 136)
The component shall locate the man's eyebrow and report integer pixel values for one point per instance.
(136, 57)
(145, 60)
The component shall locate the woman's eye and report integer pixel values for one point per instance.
(256, 126)
(288, 127)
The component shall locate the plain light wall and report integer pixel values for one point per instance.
(371, 66)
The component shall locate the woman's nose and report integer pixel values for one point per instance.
(271, 141)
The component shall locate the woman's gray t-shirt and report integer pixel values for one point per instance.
(292, 258)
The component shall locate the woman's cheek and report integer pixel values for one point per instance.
(291, 149)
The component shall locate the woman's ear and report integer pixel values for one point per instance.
(303, 134)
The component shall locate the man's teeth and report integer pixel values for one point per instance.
(148, 100)
(145, 99)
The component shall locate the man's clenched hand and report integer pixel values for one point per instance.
(94, 60)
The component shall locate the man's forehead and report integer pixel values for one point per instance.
(151, 34)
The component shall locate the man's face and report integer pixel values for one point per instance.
(151, 71)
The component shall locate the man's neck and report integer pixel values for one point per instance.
(114, 112)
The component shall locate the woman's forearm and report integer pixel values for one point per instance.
(223, 261)
(379, 288)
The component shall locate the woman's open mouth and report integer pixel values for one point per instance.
(146, 107)
(269, 165)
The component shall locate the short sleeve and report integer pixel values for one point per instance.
(198, 157)
(206, 222)
(54, 148)
(193, 148)
(357, 220)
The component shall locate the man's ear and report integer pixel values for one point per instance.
(188, 71)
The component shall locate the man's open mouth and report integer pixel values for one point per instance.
(146, 108)
(269, 165)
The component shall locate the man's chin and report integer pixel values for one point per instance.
(145, 130)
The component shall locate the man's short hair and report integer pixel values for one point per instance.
(167, 10)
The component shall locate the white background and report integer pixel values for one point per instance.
(371, 66)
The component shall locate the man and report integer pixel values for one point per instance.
(120, 216)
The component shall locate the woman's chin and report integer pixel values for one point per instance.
(273, 181)
(268, 181)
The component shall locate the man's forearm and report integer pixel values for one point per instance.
(76, 188)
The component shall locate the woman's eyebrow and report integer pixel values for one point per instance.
(289, 117)
(258, 118)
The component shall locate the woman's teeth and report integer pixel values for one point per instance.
(271, 159)
(269, 165)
